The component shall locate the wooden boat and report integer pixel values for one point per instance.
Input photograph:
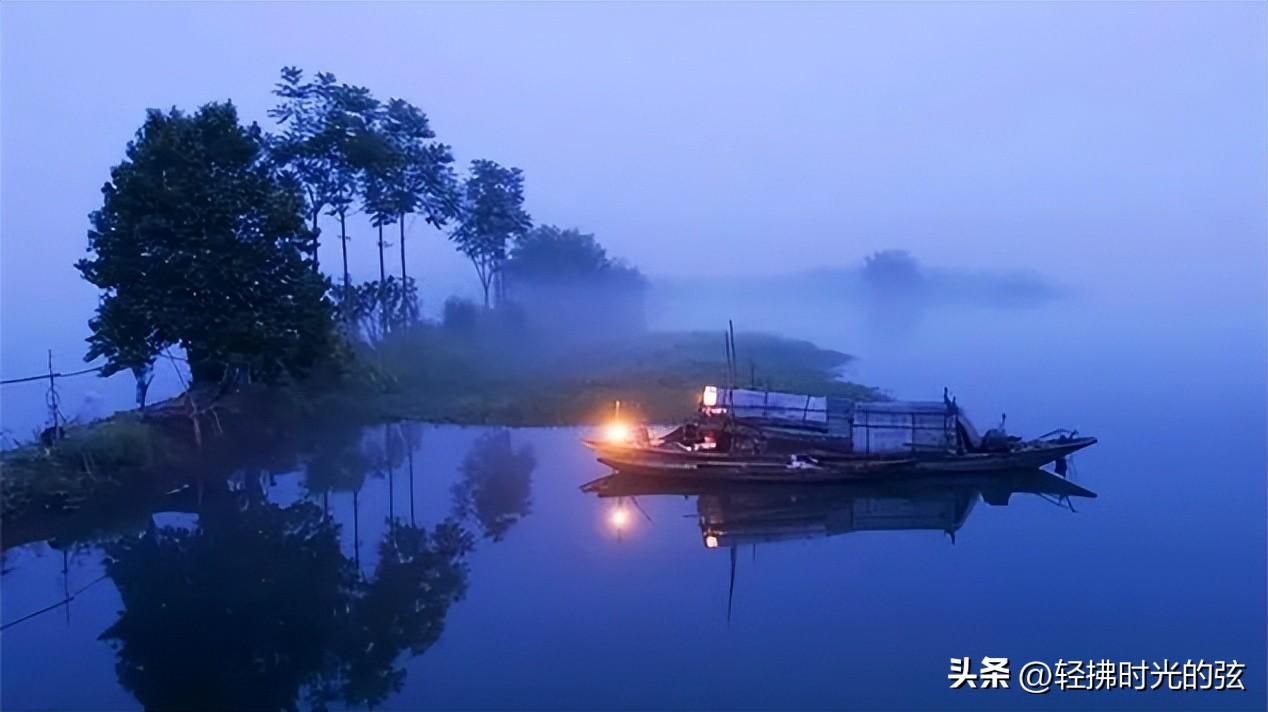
(746, 435)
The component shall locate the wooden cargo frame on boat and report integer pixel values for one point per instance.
(863, 427)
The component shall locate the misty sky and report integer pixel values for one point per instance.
(1120, 148)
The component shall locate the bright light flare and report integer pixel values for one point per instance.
(710, 396)
(711, 542)
(620, 518)
(617, 433)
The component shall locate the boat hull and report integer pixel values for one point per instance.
(653, 462)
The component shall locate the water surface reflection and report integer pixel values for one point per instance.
(738, 514)
(247, 598)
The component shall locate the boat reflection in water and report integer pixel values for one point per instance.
(731, 514)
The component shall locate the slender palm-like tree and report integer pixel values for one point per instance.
(350, 116)
(305, 149)
(424, 180)
(382, 174)
(492, 216)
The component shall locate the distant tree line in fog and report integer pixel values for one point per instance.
(209, 233)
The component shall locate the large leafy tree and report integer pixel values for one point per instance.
(492, 216)
(199, 243)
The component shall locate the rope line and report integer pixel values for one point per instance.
(59, 604)
(44, 376)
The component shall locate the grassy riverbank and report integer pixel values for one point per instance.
(658, 375)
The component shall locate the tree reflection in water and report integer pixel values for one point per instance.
(339, 463)
(240, 612)
(412, 434)
(258, 607)
(419, 575)
(496, 489)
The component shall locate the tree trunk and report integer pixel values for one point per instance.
(406, 309)
(391, 474)
(402, 218)
(316, 241)
(382, 268)
(382, 284)
(343, 240)
(410, 446)
(356, 528)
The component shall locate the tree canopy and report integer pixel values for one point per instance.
(565, 282)
(341, 143)
(415, 174)
(199, 243)
(492, 215)
(890, 269)
(551, 254)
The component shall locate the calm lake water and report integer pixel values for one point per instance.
(514, 590)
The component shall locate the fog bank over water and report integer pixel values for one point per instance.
(888, 280)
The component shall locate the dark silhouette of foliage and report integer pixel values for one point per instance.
(350, 113)
(340, 143)
(414, 174)
(492, 216)
(237, 613)
(460, 315)
(306, 148)
(328, 144)
(497, 484)
(128, 330)
(379, 193)
(565, 282)
(551, 254)
(338, 462)
(199, 243)
(373, 307)
(548, 252)
(420, 574)
(892, 270)
(256, 607)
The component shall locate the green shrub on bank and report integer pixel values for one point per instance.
(110, 445)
